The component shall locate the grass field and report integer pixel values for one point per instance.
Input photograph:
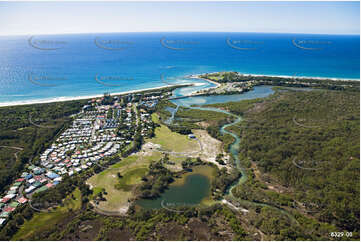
(118, 190)
(134, 167)
(130, 178)
(43, 220)
(172, 141)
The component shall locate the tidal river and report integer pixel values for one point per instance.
(257, 92)
(196, 187)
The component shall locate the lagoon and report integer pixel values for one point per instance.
(196, 187)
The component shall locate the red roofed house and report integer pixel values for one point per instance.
(5, 200)
(22, 200)
(8, 209)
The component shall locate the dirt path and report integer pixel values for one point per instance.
(13, 147)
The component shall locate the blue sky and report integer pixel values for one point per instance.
(20, 18)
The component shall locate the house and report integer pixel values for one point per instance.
(5, 200)
(11, 192)
(2, 221)
(9, 209)
(37, 184)
(58, 179)
(18, 183)
(30, 189)
(49, 185)
(11, 196)
(4, 214)
(28, 176)
(14, 188)
(22, 200)
(52, 175)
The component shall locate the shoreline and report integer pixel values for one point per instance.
(194, 76)
(281, 76)
(65, 99)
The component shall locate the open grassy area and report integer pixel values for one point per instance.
(130, 178)
(44, 220)
(134, 167)
(172, 141)
(118, 190)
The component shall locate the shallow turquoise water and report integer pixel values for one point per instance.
(28, 73)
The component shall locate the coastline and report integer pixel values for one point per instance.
(194, 76)
(65, 99)
(281, 76)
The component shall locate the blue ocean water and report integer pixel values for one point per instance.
(58, 66)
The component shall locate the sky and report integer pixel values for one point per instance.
(30, 18)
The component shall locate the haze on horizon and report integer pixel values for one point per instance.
(31, 18)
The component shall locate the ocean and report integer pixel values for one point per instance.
(57, 67)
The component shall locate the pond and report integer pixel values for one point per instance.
(195, 188)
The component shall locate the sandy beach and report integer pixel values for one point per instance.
(281, 76)
(63, 99)
(197, 76)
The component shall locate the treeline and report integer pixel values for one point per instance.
(135, 145)
(156, 181)
(309, 142)
(222, 181)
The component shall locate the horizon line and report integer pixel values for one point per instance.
(120, 32)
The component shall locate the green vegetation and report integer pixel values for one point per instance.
(156, 181)
(118, 190)
(42, 221)
(130, 178)
(295, 138)
(172, 141)
(31, 128)
(224, 77)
